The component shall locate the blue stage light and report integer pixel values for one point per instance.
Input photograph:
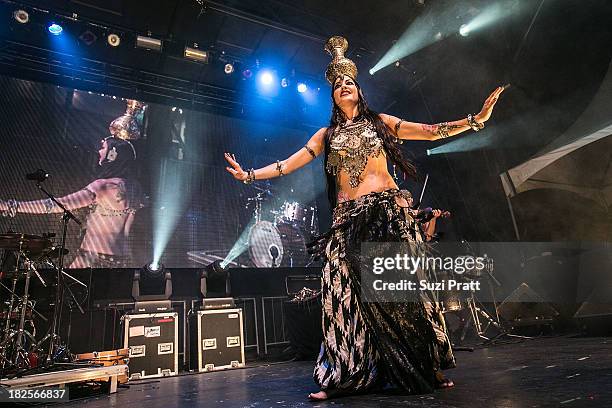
(55, 29)
(266, 78)
(302, 88)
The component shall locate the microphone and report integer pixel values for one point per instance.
(39, 176)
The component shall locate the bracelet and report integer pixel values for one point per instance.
(279, 168)
(397, 125)
(12, 208)
(250, 176)
(475, 125)
(312, 153)
(49, 204)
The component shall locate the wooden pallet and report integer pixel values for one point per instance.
(61, 378)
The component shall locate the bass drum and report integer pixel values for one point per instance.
(271, 246)
(265, 245)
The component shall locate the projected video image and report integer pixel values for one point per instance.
(147, 182)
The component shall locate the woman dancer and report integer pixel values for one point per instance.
(367, 343)
(113, 199)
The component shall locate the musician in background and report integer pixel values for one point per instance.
(428, 228)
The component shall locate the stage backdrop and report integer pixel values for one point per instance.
(173, 198)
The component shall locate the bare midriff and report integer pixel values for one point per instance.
(109, 234)
(374, 178)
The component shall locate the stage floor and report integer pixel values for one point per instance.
(561, 371)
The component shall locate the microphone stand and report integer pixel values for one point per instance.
(59, 293)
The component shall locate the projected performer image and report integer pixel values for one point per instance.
(112, 199)
(368, 344)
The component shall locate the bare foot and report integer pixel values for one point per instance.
(318, 396)
(443, 382)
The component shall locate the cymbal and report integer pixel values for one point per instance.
(26, 242)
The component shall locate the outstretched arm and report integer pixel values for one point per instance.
(79, 199)
(421, 131)
(302, 157)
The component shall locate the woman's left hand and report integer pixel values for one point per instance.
(487, 108)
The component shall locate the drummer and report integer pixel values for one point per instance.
(429, 228)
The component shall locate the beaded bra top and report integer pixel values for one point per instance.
(351, 145)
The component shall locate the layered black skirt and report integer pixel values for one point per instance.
(369, 343)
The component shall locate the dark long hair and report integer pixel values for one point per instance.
(389, 140)
(123, 158)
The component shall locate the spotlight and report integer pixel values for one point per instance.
(464, 30)
(152, 282)
(113, 40)
(301, 88)
(88, 38)
(247, 73)
(266, 78)
(148, 43)
(372, 71)
(195, 54)
(284, 82)
(55, 29)
(228, 69)
(21, 16)
(214, 280)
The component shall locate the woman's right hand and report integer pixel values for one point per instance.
(235, 169)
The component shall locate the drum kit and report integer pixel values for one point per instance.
(463, 310)
(24, 255)
(278, 237)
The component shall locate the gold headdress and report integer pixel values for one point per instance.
(336, 47)
(126, 126)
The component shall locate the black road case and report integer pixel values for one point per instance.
(153, 343)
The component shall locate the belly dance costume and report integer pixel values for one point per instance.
(366, 344)
(92, 259)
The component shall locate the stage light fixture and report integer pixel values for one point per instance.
(464, 30)
(113, 40)
(214, 280)
(301, 88)
(247, 73)
(88, 37)
(228, 69)
(152, 282)
(284, 82)
(55, 29)
(266, 78)
(196, 54)
(21, 16)
(148, 43)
